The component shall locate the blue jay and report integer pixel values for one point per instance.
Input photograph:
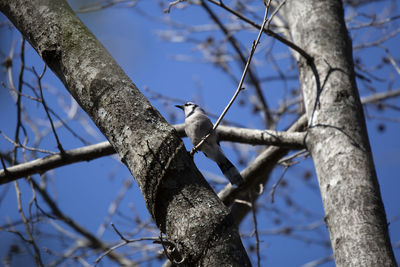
(198, 125)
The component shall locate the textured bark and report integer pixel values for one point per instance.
(337, 137)
(177, 196)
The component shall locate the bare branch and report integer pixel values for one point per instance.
(392, 60)
(39, 81)
(171, 4)
(379, 41)
(239, 88)
(266, 31)
(50, 162)
(92, 240)
(27, 147)
(87, 153)
(253, 198)
(30, 239)
(123, 243)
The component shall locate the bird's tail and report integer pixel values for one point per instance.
(230, 172)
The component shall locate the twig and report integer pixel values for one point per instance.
(244, 202)
(37, 98)
(93, 241)
(116, 230)
(380, 96)
(272, 193)
(319, 261)
(266, 31)
(373, 22)
(4, 165)
(19, 104)
(274, 13)
(171, 4)
(97, 7)
(27, 147)
(239, 88)
(391, 59)
(254, 216)
(39, 80)
(294, 155)
(253, 78)
(123, 243)
(377, 42)
(30, 240)
(13, 90)
(113, 208)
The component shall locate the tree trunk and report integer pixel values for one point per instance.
(337, 136)
(177, 196)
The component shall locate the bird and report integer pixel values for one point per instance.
(197, 126)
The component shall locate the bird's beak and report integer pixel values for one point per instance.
(179, 106)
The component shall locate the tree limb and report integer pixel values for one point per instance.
(293, 140)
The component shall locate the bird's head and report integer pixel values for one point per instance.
(189, 108)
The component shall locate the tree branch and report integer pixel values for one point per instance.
(42, 165)
(87, 153)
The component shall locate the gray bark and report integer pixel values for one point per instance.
(337, 137)
(177, 196)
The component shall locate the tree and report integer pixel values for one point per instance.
(199, 228)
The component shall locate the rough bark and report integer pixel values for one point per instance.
(177, 196)
(337, 137)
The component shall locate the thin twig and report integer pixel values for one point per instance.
(27, 147)
(239, 88)
(319, 261)
(113, 208)
(13, 90)
(373, 22)
(30, 240)
(244, 202)
(123, 243)
(274, 13)
(19, 104)
(39, 80)
(37, 98)
(171, 4)
(107, 4)
(391, 59)
(4, 165)
(254, 216)
(118, 233)
(294, 155)
(272, 193)
(266, 31)
(253, 78)
(92, 240)
(377, 42)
